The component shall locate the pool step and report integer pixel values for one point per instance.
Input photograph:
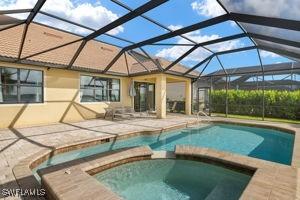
(163, 154)
(186, 131)
(195, 128)
(189, 130)
(226, 189)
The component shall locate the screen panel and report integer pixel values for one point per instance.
(96, 55)
(94, 15)
(199, 69)
(40, 38)
(229, 45)
(184, 13)
(12, 18)
(288, 9)
(10, 41)
(61, 56)
(12, 4)
(284, 48)
(133, 4)
(272, 31)
(139, 29)
(236, 62)
(55, 23)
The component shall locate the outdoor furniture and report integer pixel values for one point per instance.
(174, 107)
(123, 112)
(151, 112)
(108, 112)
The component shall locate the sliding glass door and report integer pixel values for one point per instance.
(145, 97)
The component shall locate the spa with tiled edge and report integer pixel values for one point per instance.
(177, 127)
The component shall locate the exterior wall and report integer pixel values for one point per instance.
(61, 100)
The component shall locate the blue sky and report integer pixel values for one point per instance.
(173, 14)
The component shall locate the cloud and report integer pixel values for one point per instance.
(207, 8)
(175, 27)
(91, 15)
(199, 54)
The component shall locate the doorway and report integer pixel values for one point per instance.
(203, 100)
(144, 99)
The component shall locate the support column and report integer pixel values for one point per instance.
(263, 86)
(210, 99)
(188, 97)
(226, 100)
(161, 96)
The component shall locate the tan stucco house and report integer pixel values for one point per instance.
(41, 88)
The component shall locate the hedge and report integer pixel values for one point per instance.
(278, 104)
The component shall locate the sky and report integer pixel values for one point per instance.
(174, 14)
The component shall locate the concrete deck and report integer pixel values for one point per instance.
(16, 144)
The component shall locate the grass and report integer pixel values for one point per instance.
(258, 118)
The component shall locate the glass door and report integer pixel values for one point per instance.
(145, 97)
(203, 99)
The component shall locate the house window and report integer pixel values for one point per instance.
(20, 85)
(97, 89)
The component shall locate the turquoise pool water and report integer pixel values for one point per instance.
(267, 144)
(173, 180)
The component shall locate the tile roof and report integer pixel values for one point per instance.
(94, 57)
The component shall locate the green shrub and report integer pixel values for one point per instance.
(278, 104)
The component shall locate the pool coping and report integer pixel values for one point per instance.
(25, 179)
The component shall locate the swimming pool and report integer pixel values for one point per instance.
(267, 144)
(172, 180)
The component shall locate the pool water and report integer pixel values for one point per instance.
(267, 144)
(173, 179)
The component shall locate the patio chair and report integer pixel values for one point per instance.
(124, 112)
(173, 109)
(131, 112)
(108, 112)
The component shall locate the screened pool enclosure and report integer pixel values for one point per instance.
(274, 93)
(263, 90)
